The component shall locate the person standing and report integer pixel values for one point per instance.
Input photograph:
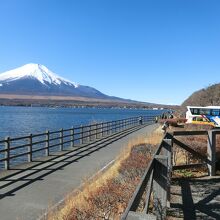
(140, 119)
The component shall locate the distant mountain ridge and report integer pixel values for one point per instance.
(36, 84)
(36, 79)
(205, 97)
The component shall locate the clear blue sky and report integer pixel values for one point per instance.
(147, 50)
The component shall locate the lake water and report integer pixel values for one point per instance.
(20, 121)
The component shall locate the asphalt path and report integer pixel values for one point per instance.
(26, 191)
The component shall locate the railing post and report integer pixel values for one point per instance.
(72, 136)
(7, 153)
(81, 135)
(167, 150)
(211, 150)
(167, 146)
(104, 129)
(160, 186)
(101, 130)
(109, 128)
(30, 148)
(47, 143)
(107, 124)
(96, 131)
(90, 132)
(61, 139)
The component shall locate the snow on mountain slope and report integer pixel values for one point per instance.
(36, 79)
(37, 71)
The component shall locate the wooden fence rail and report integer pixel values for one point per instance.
(22, 149)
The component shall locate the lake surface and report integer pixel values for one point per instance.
(20, 121)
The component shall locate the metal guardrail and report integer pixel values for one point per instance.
(25, 148)
(157, 177)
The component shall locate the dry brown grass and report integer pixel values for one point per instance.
(106, 196)
(197, 143)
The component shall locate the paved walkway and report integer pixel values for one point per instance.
(197, 198)
(26, 191)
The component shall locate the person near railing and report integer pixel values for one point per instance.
(140, 119)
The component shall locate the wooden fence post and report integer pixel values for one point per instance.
(109, 128)
(211, 150)
(7, 153)
(90, 132)
(105, 128)
(30, 148)
(47, 143)
(81, 135)
(96, 131)
(101, 130)
(160, 186)
(72, 136)
(61, 139)
(167, 146)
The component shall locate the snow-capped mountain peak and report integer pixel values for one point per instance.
(36, 79)
(36, 71)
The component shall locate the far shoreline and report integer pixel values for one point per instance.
(75, 102)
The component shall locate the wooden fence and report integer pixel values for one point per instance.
(157, 176)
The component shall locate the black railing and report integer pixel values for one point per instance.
(18, 150)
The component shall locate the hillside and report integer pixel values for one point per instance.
(205, 97)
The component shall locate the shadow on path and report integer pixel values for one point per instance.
(195, 199)
(19, 178)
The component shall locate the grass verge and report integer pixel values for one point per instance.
(107, 195)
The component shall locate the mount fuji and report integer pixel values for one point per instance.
(36, 79)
